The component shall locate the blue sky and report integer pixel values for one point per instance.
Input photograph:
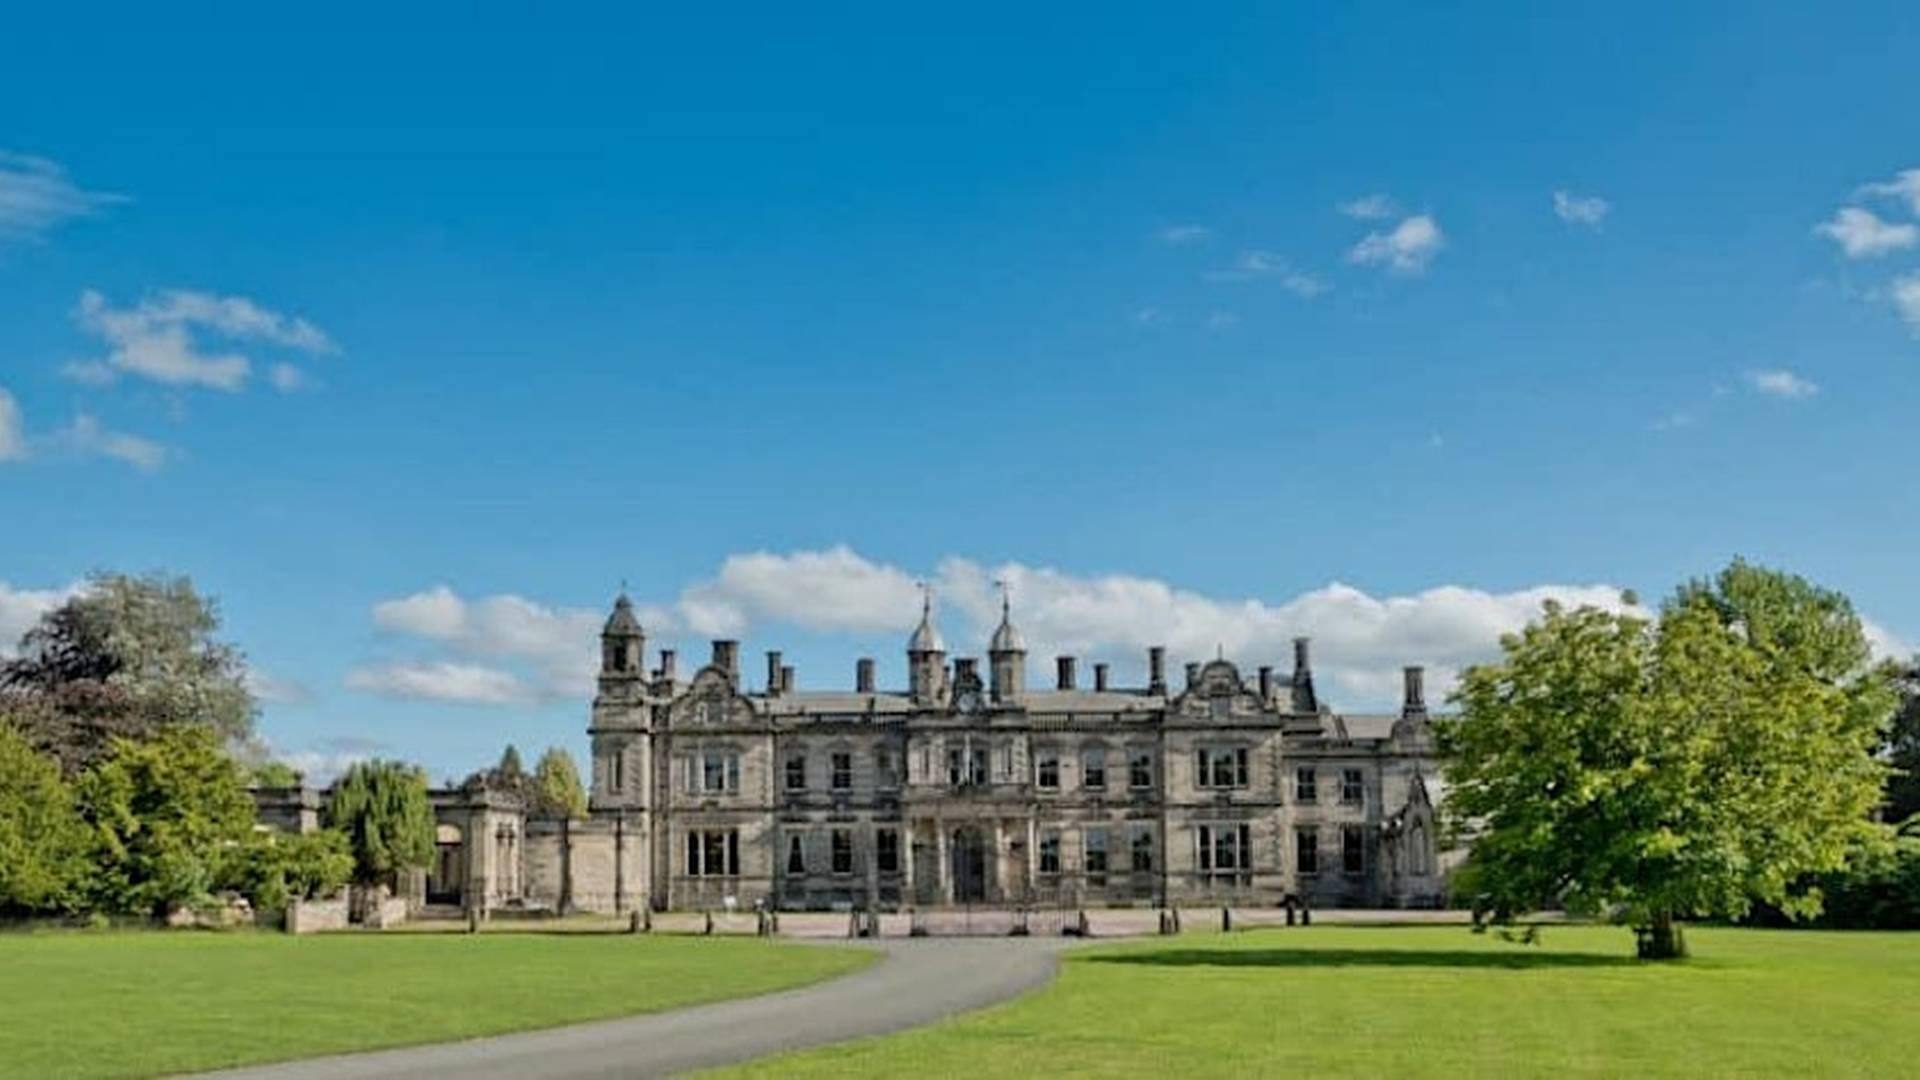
(411, 336)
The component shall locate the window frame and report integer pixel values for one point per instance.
(1306, 784)
(840, 852)
(1353, 787)
(840, 771)
(1306, 851)
(795, 768)
(1353, 850)
(1046, 763)
(1093, 768)
(1048, 853)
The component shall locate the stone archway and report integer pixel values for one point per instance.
(972, 866)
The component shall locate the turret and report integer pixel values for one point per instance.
(926, 657)
(622, 642)
(1007, 654)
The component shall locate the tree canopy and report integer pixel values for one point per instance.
(383, 809)
(1903, 748)
(557, 786)
(1688, 765)
(127, 657)
(42, 843)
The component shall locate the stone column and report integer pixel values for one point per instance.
(942, 870)
(909, 835)
(1033, 858)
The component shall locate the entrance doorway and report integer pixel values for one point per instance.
(969, 866)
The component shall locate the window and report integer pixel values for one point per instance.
(1352, 789)
(797, 773)
(1305, 786)
(886, 851)
(1223, 767)
(1417, 850)
(842, 771)
(977, 766)
(1096, 853)
(1139, 769)
(1142, 845)
(1093, 768)
(967, 766)
(1353, 850)
(842, 851)
(1226, 849)
(619, 771)
(719, 772)
(884, 772)
(1306, 851)
(1046, 770)
(956, 767)
(796, 855)
(713, 853)
(1050, 852)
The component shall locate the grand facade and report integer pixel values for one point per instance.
(972, 787)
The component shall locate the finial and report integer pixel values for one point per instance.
(1220, 650)
(1006, 599)
(926, 599)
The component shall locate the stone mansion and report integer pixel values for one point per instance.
(966, 787)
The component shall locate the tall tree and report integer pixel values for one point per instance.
(557, 786)
(510, 762)
(383, 809)
(1903, 749)
(164, 812)
(1689, 766)
(42, 842)
(126, 657)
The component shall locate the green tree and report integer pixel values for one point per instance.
(1688, 766)
(166, 813)
(382, 808)
(42, 841)
(273, 867)
(557, 786)
(1902, 749)
(127, 657)
(274, 774)
(510, 763)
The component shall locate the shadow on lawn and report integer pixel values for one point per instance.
(1515, 960)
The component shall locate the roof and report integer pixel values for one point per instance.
(622, 621)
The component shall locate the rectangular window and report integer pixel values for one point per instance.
(797, 773)
(884, 773)
(619, 771)
(886, 851)
(1139, 769)
(1226, 849)
(977, 762)
(842, 851)
(1306, 786)
(1046, 770)
(796, 855)
(1222, 767)
(1050, 852)
(842, 771)
(1353, 850)
(713, 853)
(1096, 853)
(956, 767)
(1306, 851)
(1352, 788)
(1142, 845)
(1093, 768)
(719, 772)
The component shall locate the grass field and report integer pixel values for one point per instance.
(146, 1003)
(1434, 1001)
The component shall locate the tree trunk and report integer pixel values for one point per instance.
(1661, 939)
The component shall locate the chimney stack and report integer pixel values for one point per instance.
(773, 671)
(726, 657)
(786, 679)
(666, 664)
(1065, 665)
(1099, 676)
(1266, 682)
(1157, 669)
(1301, 666)
(863, 675)
(1193, 673)
(1414, 676)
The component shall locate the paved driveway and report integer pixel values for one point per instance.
(920, 981)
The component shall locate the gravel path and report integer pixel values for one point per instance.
(920, 980)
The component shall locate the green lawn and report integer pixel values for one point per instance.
(144, 1003)
(1434, 1001)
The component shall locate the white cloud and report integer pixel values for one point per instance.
(87, 438)
(1905, 292)
(1406, 250)
(155, 339)
(1887, 645)
(1589, 210)
(1781, 383)
(835, 589)
(1861, 234)
(13, 436)
(1266, 264)
(286, 378)
(457, 683)
(36, 195)
(554, 645)
(276, 691)
(1673, 421)
(1904, 186)
(1375, 207)
(1182, 235)
(20, 610)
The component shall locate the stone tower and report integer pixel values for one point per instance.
(1008, 656)
(622, 714)
(926, 657)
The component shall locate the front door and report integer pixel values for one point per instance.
(969, 866)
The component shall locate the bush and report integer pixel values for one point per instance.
(273, 867)
(1879, 890)
(42, 841)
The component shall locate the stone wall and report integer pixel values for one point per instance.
(314, 916)
(577, 865)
